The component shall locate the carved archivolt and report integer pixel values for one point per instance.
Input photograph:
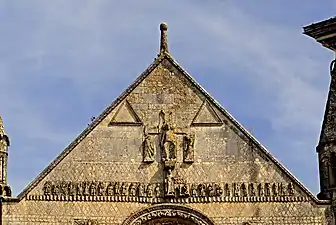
(168, 211)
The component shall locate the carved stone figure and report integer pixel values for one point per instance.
(86, 190)
(252, 189)
(167, 138)
(227, 191)
(47, 188)
(218, 190)
(169, 184)
(260, 190)
(64, 190)
(80, 189)
(243, 190)
(184, 190)
(236, 190)
(157, 190)
(56, 189)
(267, 189)
(72, 188)
(110, 189)
(117, 188)
(132, 189)
(202, 192)
(275, 191)
(148, 149)
(281, 189)
(100, 188)
(188, 148)
(290, 189)
(194, 190)
(93, 189)
(123, 188)
(141, 190)
(211, 190)
(149, 190)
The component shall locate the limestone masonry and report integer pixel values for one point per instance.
(165, 152)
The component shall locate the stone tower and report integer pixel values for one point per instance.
(324, 32)
(5, 190)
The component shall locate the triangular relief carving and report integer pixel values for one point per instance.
(125, 116)
(206, 116)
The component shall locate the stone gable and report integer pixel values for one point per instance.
(165, 152)
(223, 155)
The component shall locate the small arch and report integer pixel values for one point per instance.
(167, 212)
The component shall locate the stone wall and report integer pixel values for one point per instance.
(229, 179)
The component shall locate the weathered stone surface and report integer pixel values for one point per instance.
(114, 170)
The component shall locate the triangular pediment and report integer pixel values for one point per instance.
(125, 115)
(206, 116)
(111, 148)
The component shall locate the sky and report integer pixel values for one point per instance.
(64, 61)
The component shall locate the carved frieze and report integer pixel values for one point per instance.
(171, 189)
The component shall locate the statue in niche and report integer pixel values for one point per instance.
(86, 190)
(281, 190)
(290, 189)
(110, 189)
(117, 188)
(80, 189)
(132, 190)
(218, 190)
(93, 189)
(201, 188)
(167, 137)
(47, 188)
(100, 189)
(251, 190)
(157, 190)
(193, 190)
(56, 189)
(72, 189)
(184, 190)
(235, 190)
(243, 190)
(211, 191)
(275, 189)
(260, 190)
(123, 188)
(169, 182)
(188, 148)
(149, 190)
(141, 190)
(227, 191)
(148, 148)
(267, 189)
(64, 188)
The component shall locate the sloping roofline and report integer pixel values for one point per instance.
(157, 61)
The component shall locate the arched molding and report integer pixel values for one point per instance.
(168, 211)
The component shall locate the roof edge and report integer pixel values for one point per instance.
(247, 133)
(88, 130)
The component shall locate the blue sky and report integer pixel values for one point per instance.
(64, 61)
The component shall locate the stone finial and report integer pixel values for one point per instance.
(164, 38)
